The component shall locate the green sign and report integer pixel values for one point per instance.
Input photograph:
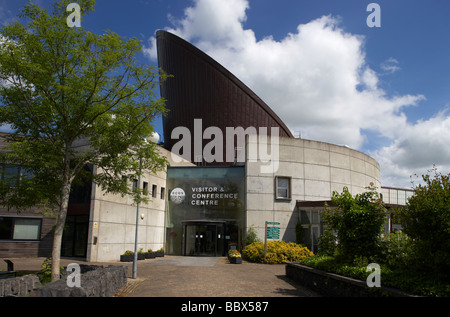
(273, 233)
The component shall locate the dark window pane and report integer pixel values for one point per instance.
(5, 228)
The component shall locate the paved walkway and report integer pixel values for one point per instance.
(173, 276)
(178, 276)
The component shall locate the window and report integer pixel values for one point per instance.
(6, 225)
(154, 190)
(27, 229)
(145, 188)
(20, 228)
(163, 193)
(283, 187)
(10, 175)
(312, 228)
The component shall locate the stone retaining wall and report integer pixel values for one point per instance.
(19, 286)
(333, 285)
(100, 282)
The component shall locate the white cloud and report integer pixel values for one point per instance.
(316, 79)
(390, 65)
(416, 149)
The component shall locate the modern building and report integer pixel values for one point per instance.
(266, 190)
(201, 206)
(99, 226)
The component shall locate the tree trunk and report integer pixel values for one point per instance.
(61, 218)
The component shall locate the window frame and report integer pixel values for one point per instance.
(13, 225)
(289, 187)
(154, 190)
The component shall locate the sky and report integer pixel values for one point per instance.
(324, 68)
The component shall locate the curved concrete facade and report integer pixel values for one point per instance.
(315, 170)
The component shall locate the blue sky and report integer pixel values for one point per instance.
(382, 90)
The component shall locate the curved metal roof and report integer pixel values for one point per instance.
(201, 88)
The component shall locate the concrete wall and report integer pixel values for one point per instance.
(113, 219)
(316, 170)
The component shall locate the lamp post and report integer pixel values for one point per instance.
(134, 275)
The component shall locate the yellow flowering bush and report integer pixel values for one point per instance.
(234, 254)
(277, 252)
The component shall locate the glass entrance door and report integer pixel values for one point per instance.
(74, 240)
(204, 239)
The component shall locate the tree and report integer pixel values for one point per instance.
(358, 223)
(426, 220)
(251, 236)
(73, 98)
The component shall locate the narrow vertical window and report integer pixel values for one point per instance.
(145, 188)
(135, 185)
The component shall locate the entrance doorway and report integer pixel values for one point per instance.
(74, 240)
(203, 238)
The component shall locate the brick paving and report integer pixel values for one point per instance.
(212, 277)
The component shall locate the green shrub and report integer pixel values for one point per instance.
(403, 279)
(329, 264)
(426, 220)
(327, 243)
(45, 274)
(277, 252)
(358, 222)
(251, 236)
(396, 250)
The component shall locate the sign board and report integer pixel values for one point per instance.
(272, 232)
